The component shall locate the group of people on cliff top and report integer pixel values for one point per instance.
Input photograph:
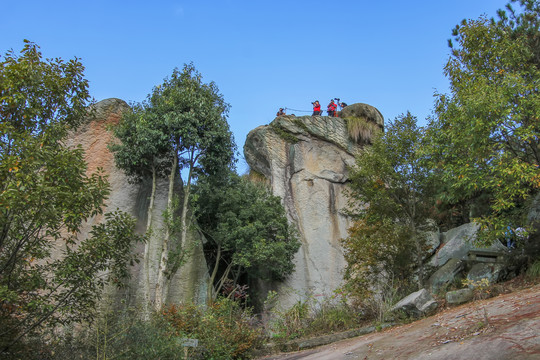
(330, 109)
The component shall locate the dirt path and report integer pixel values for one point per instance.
(512, 332)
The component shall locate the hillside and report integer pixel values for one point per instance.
(456, 333)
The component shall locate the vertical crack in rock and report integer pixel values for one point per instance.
(293, 211)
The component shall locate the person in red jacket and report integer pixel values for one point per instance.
(332, 108)
(316, 108)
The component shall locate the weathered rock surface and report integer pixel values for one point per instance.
(306, 160)
(445, 275)
(189, 283)
(416, 304)
(491, 272)
(458, 242)
(459, 296)
(432, 242)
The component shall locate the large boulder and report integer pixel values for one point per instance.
(492, 272)
(432, 241)
(363, 111)
(458, 242)
(459, 296)
(417, 304)
(189, 283)
(306, 161)
(445, 275)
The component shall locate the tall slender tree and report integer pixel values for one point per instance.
(143, 152)
(182, 129)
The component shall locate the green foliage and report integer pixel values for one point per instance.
(391, 195)
(361, 130)
(302, 125)
(481, 288)
(533, 271)
(118, 335)
(292, 323)
(144, 145)
(181, 130)
(247, 230)
(312, 317)
(45, 196)
(224, 330)
(192, 115)
(376, 253)
(485, 137)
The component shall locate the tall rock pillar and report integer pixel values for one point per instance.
(306, 160)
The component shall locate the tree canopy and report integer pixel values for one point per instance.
(485, 136)
(247, 231)
(391, 197)
(181, 130)
(45, 196)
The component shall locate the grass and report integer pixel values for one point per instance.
(360, 129)
(533, 272)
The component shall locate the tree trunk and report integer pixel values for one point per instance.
(146, 270)
(187, 191)
(210, 288)
(160, 297)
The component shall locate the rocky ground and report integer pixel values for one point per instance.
(502, 327)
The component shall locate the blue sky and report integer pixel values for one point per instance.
(263, 55)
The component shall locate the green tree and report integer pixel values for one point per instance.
(249, 236)
(391, 194)
(181, 129)
(143, 152)
(195, 117)
(45, 196)
(485, 137)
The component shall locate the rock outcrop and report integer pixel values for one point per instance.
(190, 281)
(306, 161)
(417, 304)
(363, 111)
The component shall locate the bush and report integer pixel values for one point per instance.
(224, 330)
(312, 317)
(533, 272)
(120, 335)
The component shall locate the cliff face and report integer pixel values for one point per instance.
(190, 281)
(306, 160)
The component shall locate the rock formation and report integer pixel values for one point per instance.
(306, 161)
(190, 281)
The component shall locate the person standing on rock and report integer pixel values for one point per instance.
(316, 108)
(332, 108)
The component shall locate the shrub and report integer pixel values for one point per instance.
(312, 317)
(224, 330)
(533, 272)
(117, 335)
